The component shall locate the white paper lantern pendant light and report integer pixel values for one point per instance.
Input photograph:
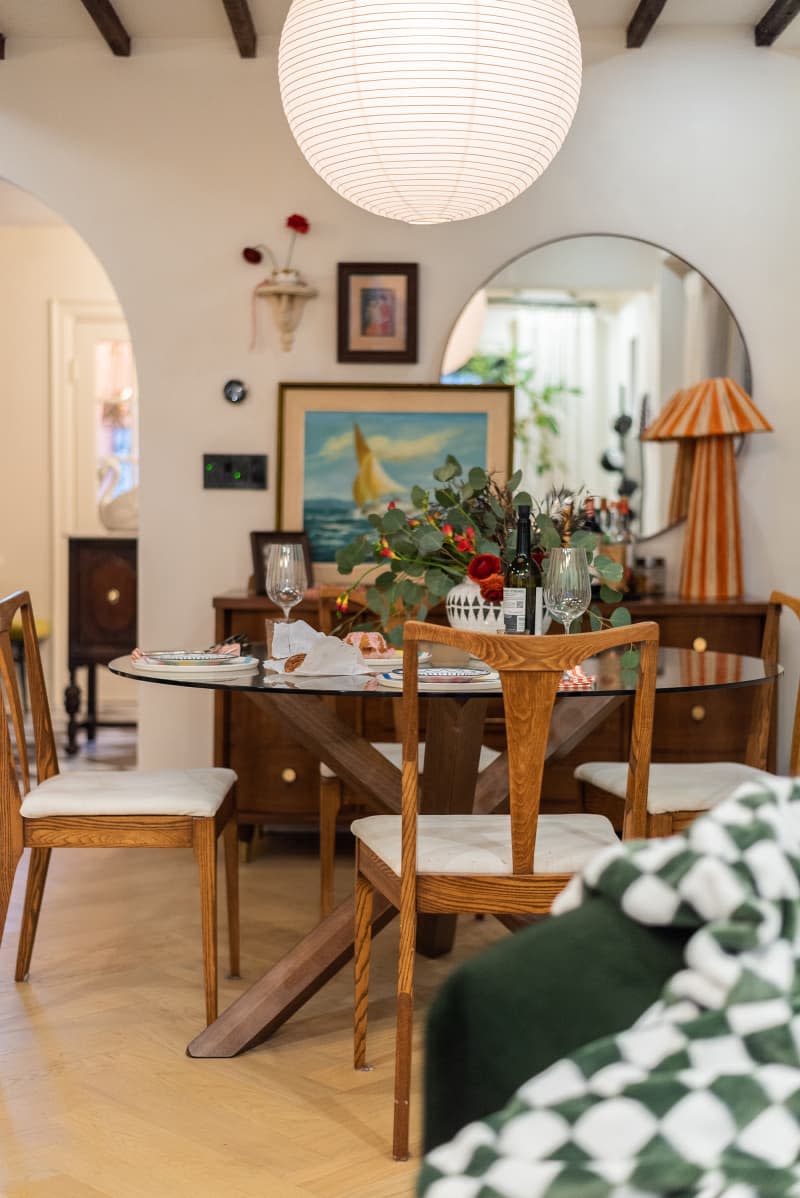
(428, 111)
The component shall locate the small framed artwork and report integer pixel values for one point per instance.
(259, 545)
(347, 450)
(377, 312)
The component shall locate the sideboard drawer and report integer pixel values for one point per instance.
(703, 726)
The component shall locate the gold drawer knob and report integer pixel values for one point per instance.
(698, 713)
(288, 775)
(699, 644)
(113, 596)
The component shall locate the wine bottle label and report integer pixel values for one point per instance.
(514, 609)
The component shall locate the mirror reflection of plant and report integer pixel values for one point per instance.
(536, 430)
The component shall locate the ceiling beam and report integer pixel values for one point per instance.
(777, 18)
(642, 21)
(241, 22)
(105, 18)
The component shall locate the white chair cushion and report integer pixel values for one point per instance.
(130, 792)
(393, 751)
(674, 786)
(481, 844)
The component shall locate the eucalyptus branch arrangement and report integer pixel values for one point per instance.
(461, 527)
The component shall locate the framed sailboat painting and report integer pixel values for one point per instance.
(345, 451)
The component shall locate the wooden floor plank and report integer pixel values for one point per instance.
(97, 1096)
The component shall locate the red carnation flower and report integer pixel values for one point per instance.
(492, 587)
(297, 223)
(483, 566)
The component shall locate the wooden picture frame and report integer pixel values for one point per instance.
(377, 312)
(260, 543)
(327, 431)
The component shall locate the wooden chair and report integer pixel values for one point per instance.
(331, 789)
(102, 809)
(680, 791)
(503, 864)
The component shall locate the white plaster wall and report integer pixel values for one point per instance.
(37, 264)
(168, 163)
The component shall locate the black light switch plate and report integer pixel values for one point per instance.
(235, 471)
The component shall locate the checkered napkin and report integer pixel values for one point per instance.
(701, 1097)
(575, 680)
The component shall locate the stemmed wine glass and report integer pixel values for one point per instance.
(286, 576)
(567, 586)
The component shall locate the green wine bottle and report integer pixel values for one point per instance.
(522, 594)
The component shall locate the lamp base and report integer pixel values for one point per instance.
(712, 552)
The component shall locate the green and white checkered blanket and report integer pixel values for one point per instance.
(701, 1096)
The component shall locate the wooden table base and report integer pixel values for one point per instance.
(282, 990)
(450, 783)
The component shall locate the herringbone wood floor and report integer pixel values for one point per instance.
(97, 1097)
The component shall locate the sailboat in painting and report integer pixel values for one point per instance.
(371, 484)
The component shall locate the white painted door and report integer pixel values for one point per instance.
(106, 460)
(94, 415)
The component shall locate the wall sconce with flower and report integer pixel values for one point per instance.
(284, 287)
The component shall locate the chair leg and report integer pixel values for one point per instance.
(231, 841)
(659, 825)
(34, 892)
(10, 854)
(205, 850)
(405, 1013)
(330, 802)
(361, 960)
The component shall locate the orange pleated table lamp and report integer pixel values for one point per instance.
(705, 419)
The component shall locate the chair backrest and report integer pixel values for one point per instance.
(530, 670)
(15, 771)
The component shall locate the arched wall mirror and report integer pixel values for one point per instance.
(597, 333)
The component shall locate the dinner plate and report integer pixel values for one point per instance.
(379, 665)
(185, 663)
(454, 677)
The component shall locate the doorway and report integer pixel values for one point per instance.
(58, 311)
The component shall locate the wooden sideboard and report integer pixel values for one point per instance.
(279, 779)
(710, 726)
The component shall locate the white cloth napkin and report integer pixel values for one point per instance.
(325, 655)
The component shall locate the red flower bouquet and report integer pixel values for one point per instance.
(255, 253)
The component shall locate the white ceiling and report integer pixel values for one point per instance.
(186, 20)
(191, 20)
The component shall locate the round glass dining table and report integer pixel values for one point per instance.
(678, 670)
(450, 783)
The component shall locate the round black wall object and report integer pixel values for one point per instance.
(234, 391)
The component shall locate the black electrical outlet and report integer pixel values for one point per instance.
(235, 471)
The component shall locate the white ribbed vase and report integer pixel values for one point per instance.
(468, 610)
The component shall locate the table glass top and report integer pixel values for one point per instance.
(678, 670)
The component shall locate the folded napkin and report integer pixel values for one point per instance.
(324, 655)
(575, 680)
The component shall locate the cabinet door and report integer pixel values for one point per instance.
(102, 599)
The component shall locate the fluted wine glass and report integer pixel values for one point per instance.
(567, 585)
(286, 576)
